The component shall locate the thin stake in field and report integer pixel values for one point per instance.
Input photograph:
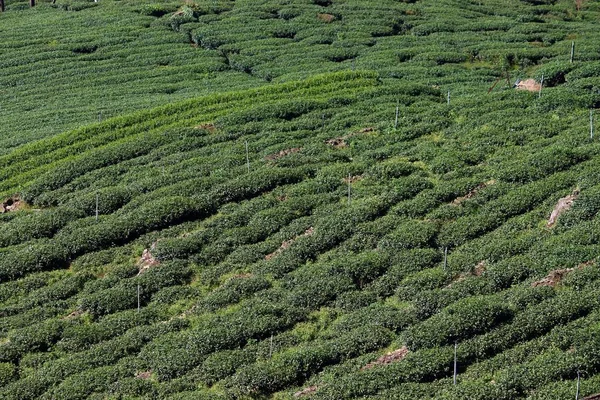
(591, 123)
(100, 116)
(445, 258)
(271, 347)
(97, 201)
(572, 51)
(455, 363)
(138, 298)
(578, 383)
(2, 7)
(448, 98)
(349, 190)
(397, 113)
(541, 85)
(247, 157)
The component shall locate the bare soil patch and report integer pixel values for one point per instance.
(306, 391)
(554, 277)
(352, 179)
(389, 358)
(286, 244)
(11, 204)
(147, 260)
(209, 127)
(530, 85)
(73, 315)
(338, 142)
(327, 18)
(341, 141)
(479, 268)
(472, 193)
(143, 375)
(564, 204)
(282, 153)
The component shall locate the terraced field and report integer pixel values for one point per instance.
(308, 199)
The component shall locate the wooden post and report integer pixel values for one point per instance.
(247, 157)
(455, 364)
(572, 51)
(349, 189)
(591, 123)
(445, 258)
(31, 3)
(397, 113)
(1, 5)
(541, 85)
(577, 390)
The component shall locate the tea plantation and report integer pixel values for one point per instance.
(313, 199)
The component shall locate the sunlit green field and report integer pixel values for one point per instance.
(319, 199)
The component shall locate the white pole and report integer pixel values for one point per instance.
(397, 113)
(448, 98)
(247, 157)
(541, 85)
(577, 392)
(455, 369)
(445, 258)
(572, 51)
(591, 123)
(349, 189)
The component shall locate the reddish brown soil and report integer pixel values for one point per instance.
(530, 85)
(472, 193)
(479, 269)
(353, 179)
(307, 391)
(389, 358)
(74, 314)
(282, 153)
(340, 142)
(242, 276)
(210, 128)
(143, 375)
(564, 204)
(326, 17)
(286, 244)
(553, 278)
(593, 397)
(147, 260)
(11, 204)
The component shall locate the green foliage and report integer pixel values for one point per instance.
(282, 183)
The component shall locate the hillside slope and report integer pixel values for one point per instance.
(332, 200)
